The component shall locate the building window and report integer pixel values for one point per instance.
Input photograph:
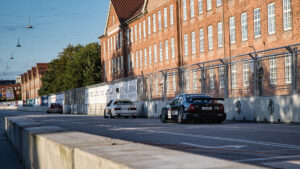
(131, 34)
(167, 49)
(132, 60)
(141, 58)
(200, 7)
(193, 37)
(273, 71)
(118, 66)
(121, 39)
(192, 8)
(186, 45)
(171, 14)
(159, 20)
(257, 26)
(145, 55)
(208, 5)
(219, 3)
(187, 80)
(118, 40)
(246, 74)
(174, 82)
(221, 76)
(271, 18)
(173, 48)
(232, 29)
(166, 17)
(154, 22)
(115, 42)
(161, 51)
(220, 34)
(244, 26)
(150, 55)
(233, 75)
(122, 63)
(184, 10)
(201, 35)
(144, 28)
(140, 30)
(135, 33)
(288, 69)
(287, 15)
(210, 37)
(127, 34)
(211, 79)
(195, 80)
(155, 53)
(149, 25)
(136, 59)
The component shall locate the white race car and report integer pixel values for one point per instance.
(120, 108)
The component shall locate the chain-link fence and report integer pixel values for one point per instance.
(260, 73)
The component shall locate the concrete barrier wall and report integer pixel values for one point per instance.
(49, 147)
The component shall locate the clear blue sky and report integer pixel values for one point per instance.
(56, 23)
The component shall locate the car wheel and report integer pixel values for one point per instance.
(105, 115)
(110, 115)
(133, 117)
(47, 112)
(163, 116)
(180, 116)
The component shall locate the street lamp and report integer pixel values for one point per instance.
(11, 56)
(29, 26)
(18, 45)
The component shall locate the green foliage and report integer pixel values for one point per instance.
(76, 66)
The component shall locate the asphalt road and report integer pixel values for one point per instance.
(269, 145)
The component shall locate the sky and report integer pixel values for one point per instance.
(56, 23)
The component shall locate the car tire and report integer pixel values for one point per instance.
(47, 112)
(163, 116)
(133, 117)
(111, 116)
(105, 116)
(180, 116)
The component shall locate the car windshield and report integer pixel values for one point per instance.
(199, 99)
(123, 102)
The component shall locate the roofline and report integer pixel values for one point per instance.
(106, 23)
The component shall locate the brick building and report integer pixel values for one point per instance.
(145, 36)
(31, 81)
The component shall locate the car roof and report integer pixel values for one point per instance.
(198, 95)
(118, 100)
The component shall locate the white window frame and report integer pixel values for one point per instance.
(166, 17)
(159, 20)
(171, 14)
(144, 28)
(234, 75)
(155, 52)
(287, 15)
(131, 34)
(174, 82)
(145, 57)
(184, 10)
(137, 59)
(219, 3)
(167, 49)
(210, 37)
(149, 25)
(140, 30)
(186, 44)
(244, 26)
(154, 22)
(135, 33)
(288, 69)
(160, 51)
(150, 55)
(208, 5)
(193, 38)
(220, 34)
(232, 29)
(246, 71)
(128, 36)
(200, 7)
(201, 41)
(211, 79)
(173, 48)
(192, 8)
(273, 71)
(257, 23)
(271, 19)
(132, 60)
(221, 76)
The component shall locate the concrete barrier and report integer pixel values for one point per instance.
(51, 147)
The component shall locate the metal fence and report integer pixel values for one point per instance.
(259, 73)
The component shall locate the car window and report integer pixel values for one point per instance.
(200, 100)
(123, 102)
(108, 104)
(180, 99)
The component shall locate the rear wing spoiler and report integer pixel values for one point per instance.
(210, 98)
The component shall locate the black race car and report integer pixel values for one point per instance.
(193, 107)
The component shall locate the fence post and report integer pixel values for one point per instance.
(294, 70)
(225, 79)
(202, 79)
(181, 84)
(164, 85)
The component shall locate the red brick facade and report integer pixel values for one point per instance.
(262, 33)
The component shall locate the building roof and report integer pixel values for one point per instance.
(127, 9)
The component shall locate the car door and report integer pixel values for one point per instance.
(172, 110)
(177, 105)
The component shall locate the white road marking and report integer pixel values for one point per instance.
(244, 141)
(268, 158)
(215, 147)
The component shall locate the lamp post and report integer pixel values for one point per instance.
(255, 70)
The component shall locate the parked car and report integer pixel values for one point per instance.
(55, 108)
(120, 108)
(193, 107)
